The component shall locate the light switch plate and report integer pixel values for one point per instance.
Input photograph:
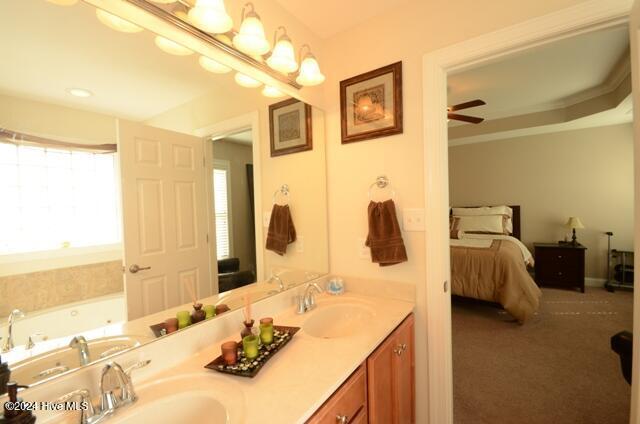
(413, 219)
(300, 244)
(363, 251)
(266, 218)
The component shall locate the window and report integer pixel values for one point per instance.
(221, 188)
(54, 198)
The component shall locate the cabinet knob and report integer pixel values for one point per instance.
(559, 256)
(399, 350)
(342, 419)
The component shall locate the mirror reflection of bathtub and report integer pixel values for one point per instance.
(69, 266)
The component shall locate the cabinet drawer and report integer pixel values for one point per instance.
(350, 401)
(562, 266)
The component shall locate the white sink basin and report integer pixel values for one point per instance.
(50, 364)
(194, 398)
(338, 320)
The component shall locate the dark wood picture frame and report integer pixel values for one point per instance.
(397, 128)
(309, 129)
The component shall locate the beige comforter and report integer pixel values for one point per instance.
(495, 274)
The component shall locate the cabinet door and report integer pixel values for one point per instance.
(390, 377)
(348, 404)
(404, 367)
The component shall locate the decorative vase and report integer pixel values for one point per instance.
(198, 314)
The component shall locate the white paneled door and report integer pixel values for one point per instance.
(165, 218)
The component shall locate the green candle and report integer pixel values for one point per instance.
(266, 333)
(184, 319)
(250, 346)
(210, 310)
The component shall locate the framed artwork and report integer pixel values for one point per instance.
(290, 127)
(371, 104)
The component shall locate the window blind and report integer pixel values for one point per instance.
(221, 200)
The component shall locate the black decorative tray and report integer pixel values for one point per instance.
(249, 368)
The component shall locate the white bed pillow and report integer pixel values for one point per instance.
(482, 224)
(488, 211)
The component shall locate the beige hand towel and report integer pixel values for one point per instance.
(385, 238)
(281, 230)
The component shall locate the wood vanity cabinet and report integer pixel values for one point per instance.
(381, 390)
(391, 378)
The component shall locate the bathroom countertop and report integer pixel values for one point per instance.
(306, 372)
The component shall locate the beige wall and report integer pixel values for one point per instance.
(404, 33)
(586, 173)
(243, 233)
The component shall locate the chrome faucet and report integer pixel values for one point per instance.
(308, 301)
(80, 343)
(8, 343)
(113, 379)
(278, 279)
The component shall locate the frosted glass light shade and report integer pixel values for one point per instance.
(310, 72)
(213, 66)
(272, 92)
(247, 81)
(574, 222)
(211, 16)
(171, 47)
(283, 57)
(116, 22)
(63, 2)
(250, 39)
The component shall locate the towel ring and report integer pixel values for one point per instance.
(283, 191)
(381, 183)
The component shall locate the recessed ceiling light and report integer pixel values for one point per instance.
(79, 92)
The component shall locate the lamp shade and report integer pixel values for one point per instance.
(171, 47)
(283, 57)
(574, 222)
(213, 66)
(310, 72)
(211, 16)
(246, 81)
(269, 91)
(250, 39)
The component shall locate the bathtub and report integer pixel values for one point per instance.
(59, 323)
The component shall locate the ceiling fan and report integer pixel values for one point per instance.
(465, 105)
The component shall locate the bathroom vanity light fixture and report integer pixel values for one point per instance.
(283, 56)
(309, 69)
(116, 22)
(79, 92)
(250, 39)
(171, 47)
(213, 66)
(210, 16)
(269, 91)
(246, 81)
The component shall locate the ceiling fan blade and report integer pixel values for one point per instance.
(465, 118)
(467, 105)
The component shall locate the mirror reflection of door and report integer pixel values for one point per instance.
(234, 214)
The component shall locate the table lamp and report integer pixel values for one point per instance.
(573, 223)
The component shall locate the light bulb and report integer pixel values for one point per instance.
(250, 39)
(269, 91)
(63, 2)
(171, 47)
(283, 57)
(211, 16)
(213, 66)
(247, 81)
(116, 22)
(310, 72)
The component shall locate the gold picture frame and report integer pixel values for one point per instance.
(290, 127)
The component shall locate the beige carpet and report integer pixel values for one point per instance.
(556, 368)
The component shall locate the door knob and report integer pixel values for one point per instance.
(342, 419)
(135, 268)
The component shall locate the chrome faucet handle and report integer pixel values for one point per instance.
(8, 342)
(300, 305)
(309, 298)
(113, 378)
(128, 393)
(136, 366)
(35, 337)
(278, 279)
(88, 414)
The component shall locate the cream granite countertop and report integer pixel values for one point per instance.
(306, 372)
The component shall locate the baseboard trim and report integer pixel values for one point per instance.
(594, 282)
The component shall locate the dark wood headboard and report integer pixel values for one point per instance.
(516, 219)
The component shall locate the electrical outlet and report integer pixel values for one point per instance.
(300, 244)
(363, 251)
(413, 219)
(266, 219)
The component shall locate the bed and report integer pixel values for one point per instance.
(493, 268)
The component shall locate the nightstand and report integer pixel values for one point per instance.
(560, 265)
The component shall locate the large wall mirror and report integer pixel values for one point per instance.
(135, 183)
